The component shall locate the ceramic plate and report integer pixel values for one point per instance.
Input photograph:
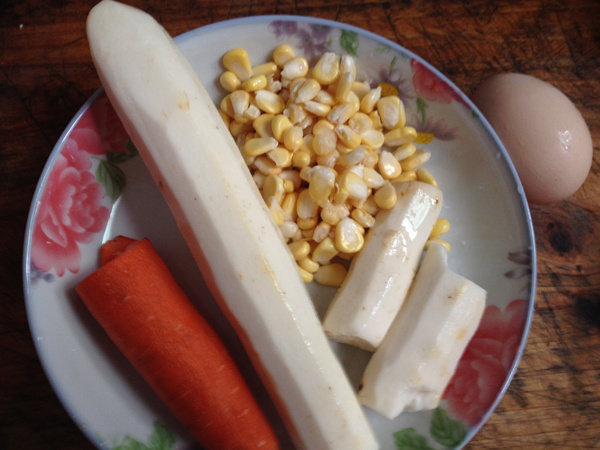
(95, 187)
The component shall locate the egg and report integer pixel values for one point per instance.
(544, 133)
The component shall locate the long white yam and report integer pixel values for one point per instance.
(413, 365)
(380, 275)
(201, 173)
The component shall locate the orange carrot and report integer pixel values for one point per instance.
(148, 316)
(112, 249)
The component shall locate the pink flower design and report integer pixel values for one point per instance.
(70, 212)
(430, 87)
(99, 130)
(487, 359)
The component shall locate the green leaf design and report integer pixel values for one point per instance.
(161, 438)
(421, 109)
(120, 157)
(393, 62)
(349, 42)
(409, 439)
(111, 177)
(446, 431)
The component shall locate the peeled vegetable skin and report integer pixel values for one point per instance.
(218, 208)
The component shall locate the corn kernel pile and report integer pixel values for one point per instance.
(324, 149)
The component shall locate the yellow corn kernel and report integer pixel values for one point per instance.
(309, 265)
(324, 252)
(282, 54)
(266, 69)
(225, 117)
(330, 274)
(226, 106)
(373, 138)
(306, 276)
(348, 65)
(308, 90)
(391, 111)
(259, 179)
(316, 108)
(293, 177)
(341, 113)
(288, 186)
(385, 196)
(360, 88)
(273, 187)
(325, 98)
(410, 133)
(370, 159)
(289, 205)
(349, 237)
(269, 102)
(276, 211)
(332, 213)
(360, 122)
(292, 138)
(229, 81)
(418, 158)
(441, 226)
(322, 180)
(255, 83)
(369, 100)
(424, 138)
(344, 86)
(260, 145)
(348, 136)
(306, 207)
(266, 165)
(372, 178)
(296, 67)
(281, 157)
(324, 143)
(307, 224)
(239, 102)
(409, 175)
(300, 249)
(321, 231)
(289, 229)
(322, 126)
(279, 124)
(238, 62)
(446, 244)
(327, 68)
(389, 166)
(328, 160)
(425, 176)
(262, 125)
(251, 113)
(375, 119)
(387, 89)
(353, 184)
(362, 217)
(397, 137)
(404, 151)
(301, 158)
(353, 158)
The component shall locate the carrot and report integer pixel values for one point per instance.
(148, 316)
(113, 248)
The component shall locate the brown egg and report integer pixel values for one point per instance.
(543, 132)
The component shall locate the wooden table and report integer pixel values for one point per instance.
(47, 74)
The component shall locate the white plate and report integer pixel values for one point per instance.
(93, 189)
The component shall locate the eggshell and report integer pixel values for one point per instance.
(543, 132)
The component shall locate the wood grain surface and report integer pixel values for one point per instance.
(47, 74)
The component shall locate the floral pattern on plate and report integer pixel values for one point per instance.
(73, 205)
